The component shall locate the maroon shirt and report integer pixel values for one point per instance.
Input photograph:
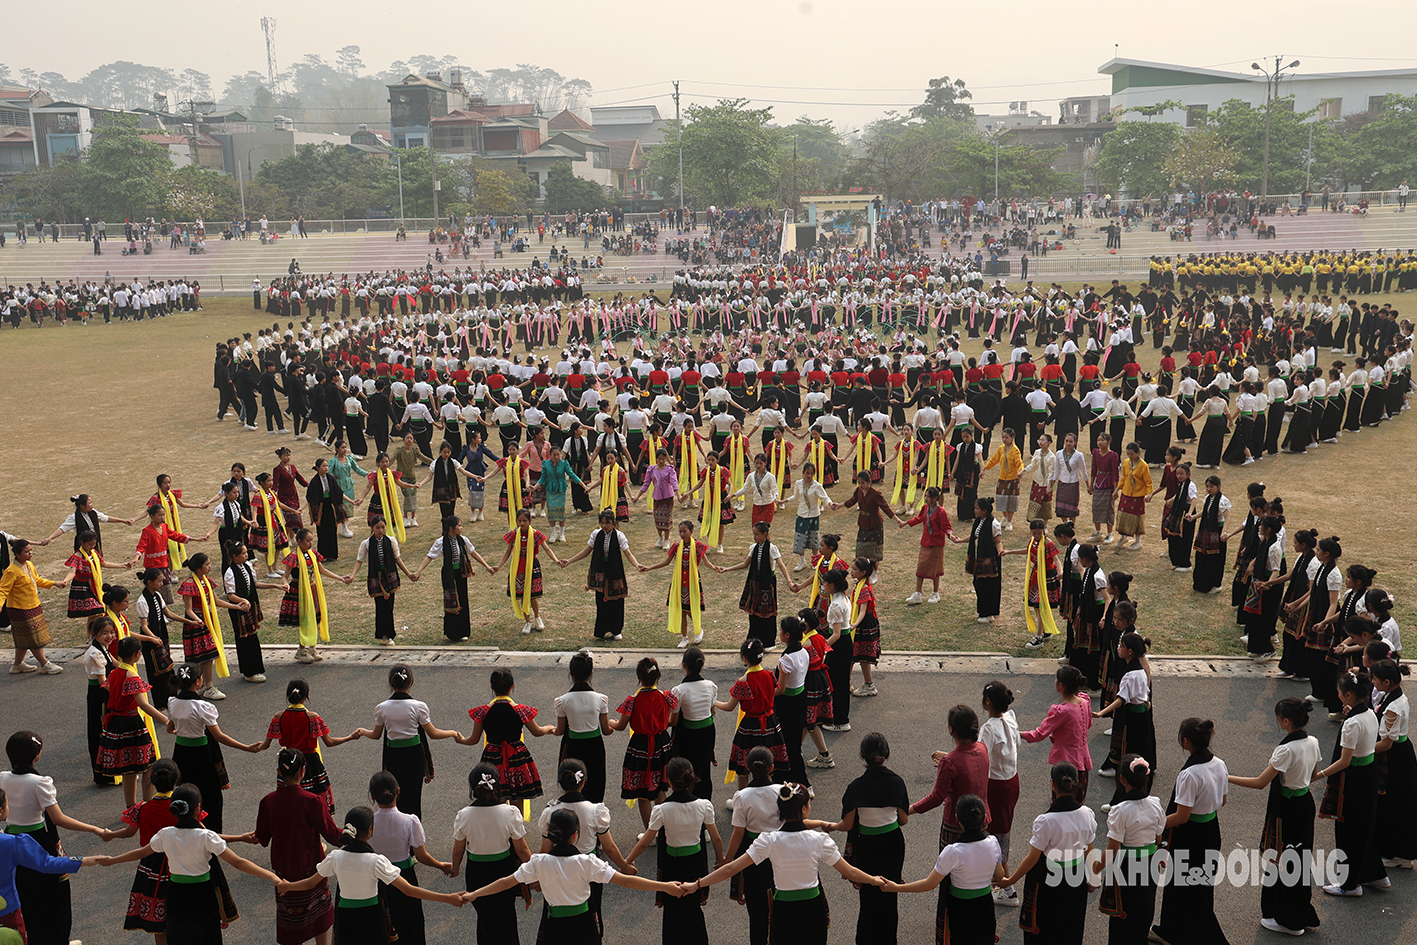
(291, 822)
(963, 771)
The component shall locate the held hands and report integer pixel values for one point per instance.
(630, 869)
(348, 578)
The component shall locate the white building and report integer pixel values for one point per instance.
(1136, 82)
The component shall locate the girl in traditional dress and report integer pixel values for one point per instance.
(1209, 575)
(964, 913)
(360, 914)
(456, 554)
(1178, 518)
(799, 913)
(1070, 466)
(684, 819)
(382, 489)
(1133, 726)
(299, 729)
(240, 584)
(1088, 610)
(983, 558)
(196, 910)
(865, 624)
(556, 480)
(647, 712)
(1287, 907)
(229, 523)
(1397, 806)
(474, 458)
(999, 735)
(755, 813)
(754, 692)
(147, 900)
(607, 547)
(127, 746)
(1351, 794)
(1055, 869)
(443, 473)
(1102, 486)
(201, 632)
(381, 550)
(1321, 605)
(582, 721)
(1188, 909)
(84, 518)
(935, 531)
(818, 687)
(1135, 489)
(399, 838)
(873, 809)
(491, 836)
(19, 600)
(1135, 822)
(524, 584)
(1292, 662)
(194, 721)
(1042, 582)
(694, 733)
(566, 877)
(269, 536)
(98, 663)
(326, 502)
(344, 467)
(759, 598)
(304, 604)
(717, 512)
(1266, 578)
(1066, 726)
(686, 592)
(406, 727)
(85, 578)
(965, 467)
(502, 720)
(664, 480)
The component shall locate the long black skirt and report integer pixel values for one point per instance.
(882, 854)
(792, 717)
(609, 616)
(1397, 804)
(497, 914)
(799, 921)
(591, 753)
(194, 912)
(1178, 547)
(963, 921)
(683, 919)
(1212, 442)
(45, 899)
(1188, 902)
(456, 626)
(405, 912)
(696, 744)
(363, 925)
(1129, 898)
(987, 593)
(1351, 802)
(409, 767)
(1289, 837)
(1054, 909)
(581, 929)
(198, 764)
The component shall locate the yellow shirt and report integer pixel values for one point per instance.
(1012, 462)
(19, 586)
(1136, 479)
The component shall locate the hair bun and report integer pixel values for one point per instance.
(179, 807)
(350, 830)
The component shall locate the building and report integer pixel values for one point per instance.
(243, 152)
(417, 100)
(1139, 83)
(628, 123)
(1080, 143)
(179, 149)
(1084, 109)
(987, 124)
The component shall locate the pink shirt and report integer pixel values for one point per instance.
(963, 771)
(533, 456)
(664, 480)
(1067, 726)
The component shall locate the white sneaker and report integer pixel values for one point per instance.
(526, 627)
(1274, 926)
(1397, 863)
(823, 760)
(302, 655)
(540, 624)
(865, 691)
(1105, 808)
(212, 693)
(933, 598)
(915, 598)
(1383, 883)
(1037, 641)
(719, 550)
(18, 668)
(255, 678)
(1002, 898)
(51, 669)
(1340, 891)
(801, 563)
(698, 638)
(345, 532)
(1008, 526)
(1109, 731)
(683, 642)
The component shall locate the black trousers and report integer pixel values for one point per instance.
(274, 418)
(228, 399)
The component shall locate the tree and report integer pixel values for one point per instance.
(945, 99)
(731, 156)
(1133, 158)
(909, 159)
(1203, 160)
(50, 192)
(1378, 150)
(567, 192)
(1242, 128)
(195, 191)
(123, 173)
(495, 193)
(1024, 171)
(328, 182)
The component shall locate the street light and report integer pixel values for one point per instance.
(240, 181)
(1268, 108)
(432, 155)
(398, 165)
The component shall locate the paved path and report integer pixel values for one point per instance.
(916, 693)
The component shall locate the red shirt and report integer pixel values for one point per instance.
(658, 378)
(1089, 372)
(962, 771)
(839, 378)
(935, 527)
(993, 371)
(690, 378)
(1051, 372)
(878, 376)
(1025, 369)
(818, 377)
(790, 378)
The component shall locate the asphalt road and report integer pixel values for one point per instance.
(911, 711)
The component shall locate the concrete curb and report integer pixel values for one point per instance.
(608, 657)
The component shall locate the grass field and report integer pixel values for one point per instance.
(103, 409)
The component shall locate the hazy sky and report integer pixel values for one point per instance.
(848, 61)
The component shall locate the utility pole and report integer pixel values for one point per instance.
(1270, 93)
(996, 171)
(1309, 157)
(796, 193)
(679, 132)
(193, 107)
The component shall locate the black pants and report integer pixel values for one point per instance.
(274, 418)
(248, 404)
(228, 399)
(839, 661)
(609, 616)
(791, 715)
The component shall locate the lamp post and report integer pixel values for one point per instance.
(432, 155)
(1268, 108)
(241, 182)
(398, 165)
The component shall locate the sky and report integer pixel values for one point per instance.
(839, 59)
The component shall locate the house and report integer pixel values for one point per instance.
(371, 143)
(628, 123)
(629, 169)
(179, 149)
(567, 120)
(416, 100)
(1080, 143)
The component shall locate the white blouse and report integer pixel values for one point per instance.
(1360, 733)
(191, 717)
(358, 874)
(401, 718)
(488, 829)
(970, 865)
(792, 668)
(1064, 836)
(28, 796)
(1296, 761)
(1136, 823)
(755, 809)
(681, 822)
(582, 709)
(796, 856)
(594, 818)
(1000, 738)
(565, 880)
(1395, 719)
(189, 852)
(1203, 787)
(696, 699)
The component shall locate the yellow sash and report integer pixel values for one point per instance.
(96, 569)
(389, 500)
(817, 577)
(271, 515)
(176, 550)
(206, 598)
(865, 448)
(1038, 570)
(856, 600)
(777, 461)
(676, 605)
(121, 626)
(817, 452)
(147, 719)
(711, 523)
(521, 558)
(311, 584)
(905, 478)
(735, 462)
(936, 469)
(610, 488)
(655, 444)
(514, 489)
(688, 463)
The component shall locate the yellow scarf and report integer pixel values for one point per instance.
(1038, 570)
(271, 516)
(654, 444)
(206, 599)
(514, 489)
(610, 488)
(905, 478)
(688, 463)
(817, 576)
(522, 558)
(817, 452)
(147, 719)
(176, 550)
(676, 604)
(121, 625)
(95, 569)
(389, 501)
(777, 461)
(936, 469)
(711, 523)
(735, 462)
(856, 600)
(865, 449)
(311, 627)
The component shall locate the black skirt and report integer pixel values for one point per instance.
(799, 921)
(497, 914)
(1288, 831)
(1188, 910)
(591, 753)
(46, 903)
(696, 744)
(194, 913)
(1397, 804)
(1053, 912)
(405, 912)
(409, 767)
(363, 925)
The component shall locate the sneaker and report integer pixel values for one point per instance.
(864, 691)
(618, 636)
(1037, 641)
(823, 760)
(1105, 808)
(933, 598)
(302, 655)
(1312, 699)
(51, 669)
(1106, 772)
(255, 678)
(1008, 526)
(1340, 891)
(18, 668)
(683, 642)
(315, 656)
(1397, 863)
(915, 598)
(1182, 570)
(1274, 926)
(1108, 731)
(212, 693)
(526, 627)
(698, 638)
(985, 620)
(1110, 540)
(1004, 898)
(1335, 716)
(249, 426)
(1244, 638)
(1383, 883)
(1263, 657)
(540, 624)
(1250, 460)
(346, 533)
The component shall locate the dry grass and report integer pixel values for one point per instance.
(103, 409)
